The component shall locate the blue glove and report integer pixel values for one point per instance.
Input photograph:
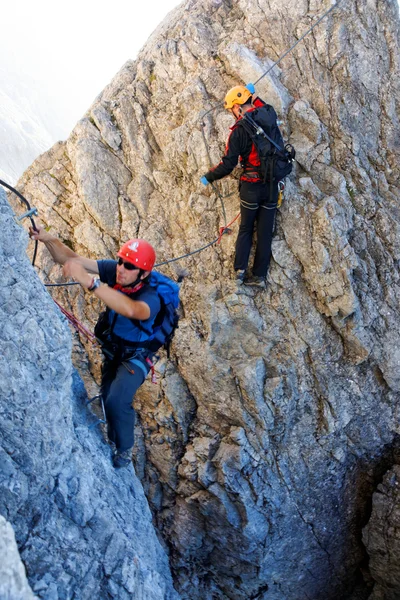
(204, 180)
(251, 88)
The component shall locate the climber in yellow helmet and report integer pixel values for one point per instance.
(258, 188)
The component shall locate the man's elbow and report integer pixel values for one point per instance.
(68, 260)
(139, 313)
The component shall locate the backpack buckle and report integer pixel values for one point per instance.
(153, 373)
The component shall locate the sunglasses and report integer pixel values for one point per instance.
(128, 266)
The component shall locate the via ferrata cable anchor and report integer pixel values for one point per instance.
(28, 214)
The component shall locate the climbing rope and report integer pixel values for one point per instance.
(216, 241)
(78, 325)
(214, 187)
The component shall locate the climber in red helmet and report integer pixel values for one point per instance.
(132, 306)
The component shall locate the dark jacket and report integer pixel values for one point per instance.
(239, 146)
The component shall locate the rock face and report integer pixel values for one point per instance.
(13, 583)
(83, 529)
(270, 427)
(382, 540)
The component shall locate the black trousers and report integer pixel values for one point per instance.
(256, 207)
(118, 388)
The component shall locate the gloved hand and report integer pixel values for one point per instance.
(204, 180)
(251, 88)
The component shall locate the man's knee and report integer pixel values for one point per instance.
(123, 389)
(118, 399)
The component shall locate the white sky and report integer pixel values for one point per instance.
(73, 48)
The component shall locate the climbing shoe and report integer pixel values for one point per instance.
(122, 458)
(257, 281)
(240, 276)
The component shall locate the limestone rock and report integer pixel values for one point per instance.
(382, 539)
(13, 582)
(260, 447)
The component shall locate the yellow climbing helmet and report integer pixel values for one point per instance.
(237, 95)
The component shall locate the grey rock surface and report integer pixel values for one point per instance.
(262, 444)
(83, 529)
(13, 582)
(382, 540)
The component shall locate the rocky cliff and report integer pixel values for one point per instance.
(271, 426)
(13, 582)
(381, 538)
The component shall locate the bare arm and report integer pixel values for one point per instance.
(133, 309)
(59, 251)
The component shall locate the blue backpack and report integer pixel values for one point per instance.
(164, 324)
(167, 319)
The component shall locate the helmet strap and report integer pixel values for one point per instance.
(145, 279)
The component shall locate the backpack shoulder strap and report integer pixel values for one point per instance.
(254, 129)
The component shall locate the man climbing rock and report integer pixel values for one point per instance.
(258, 198)
(132, 307)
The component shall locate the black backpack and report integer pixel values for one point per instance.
(276, 159)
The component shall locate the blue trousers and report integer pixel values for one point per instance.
(118, 388)
(256, 207)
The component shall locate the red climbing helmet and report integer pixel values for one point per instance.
(138, 252)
